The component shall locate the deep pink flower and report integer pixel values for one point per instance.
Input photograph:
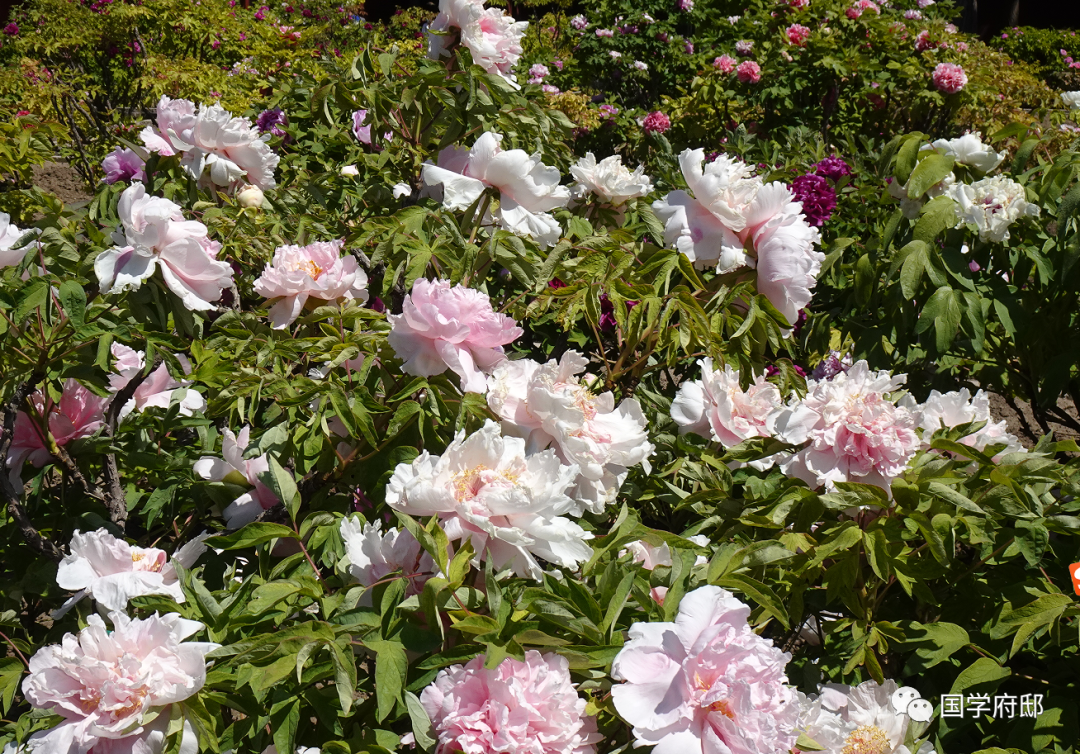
(949, 78)
(725, 63)
(797, 34)
(529, 706)
(818, 198)
(443, 327)
(748, 72)
(122, 165)
(833, 168)
(12, 29)
(656, 122)
(78, 415)
(799, 4)
(271, 121)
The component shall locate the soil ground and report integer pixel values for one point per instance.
(61, 179)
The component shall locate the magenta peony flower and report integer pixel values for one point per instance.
(706, 683)
(688, 46)
(122, 165)
(104, 683)
(443, 327)
(684, 5)
(817, 196)
(748, 72)
(833, 168)
(799, 4)
(316, 271)
(656, 122)
(949, 78)
(725, 63)
(797, 34)
(12, 29)
(832, 365)
(529, 706)
(271, 121)
(78, 415)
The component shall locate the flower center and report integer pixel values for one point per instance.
(867, 739)
(469, 483)
(724, 708)
(307, 266)
(142, 561)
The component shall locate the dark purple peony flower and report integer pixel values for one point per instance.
(831, 366)
(272, 121)
(817, 196)
(832, 168)
(12, 29)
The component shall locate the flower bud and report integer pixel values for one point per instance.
(350, 170)
(250, 197)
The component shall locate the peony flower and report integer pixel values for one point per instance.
(316, 271)
(856, 432)
(605, 33)
(10, 254)
(857, 719)
(833, 168)
(817, 197)
(155, 234)
(106, 683)
(235, 469)
(549, 89)
(229, 150)
(958, 407)
(650, 557)
(656, 122)
(528, 189)
(949, 78)
(716, 406)
(250, 197)
(725, 63)
(641, 66)
(832, 365)
(158, 389)
(548, 404)
(615, 54)
(539, 71)
(684, 5)
(748, 72)
(443, 327)
(509, 505)
(705, 683)
(518, 706)
(609, 179)
(113, 572)
(913, 15)
(493, 38)
(1072, 99)
(123, 165)
(744, 48)
(991, 205)
(579, 22)
(373, 555)
(688, 47)
(970, 150)
(797, 35)
(272, 121)
(175, 120)
(78, 415)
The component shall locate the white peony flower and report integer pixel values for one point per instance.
(350, 171)
(991, 205)
(10, 255)
(485, 489)
(493, 38)
(864, 715)
(1072, 99)
(159, 387)
(970, 150)
(373, 554)
(912, 207)
(550, 405)
(958, 407)
(250, 197)
(609, 179)
(229, 150)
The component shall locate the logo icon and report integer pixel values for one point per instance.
(908, 701)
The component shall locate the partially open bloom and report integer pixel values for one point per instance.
(958, 407)
(78, 415)
(518, 706)
(650, 557)
(175, 118)
(656, 122)
(716, 406)
(949, 78)
(493, 38)
(706, 683)
(373, 554)
(245, 472)
(748, 72)
(159, 387)
(316, 271)
(509, 505)
(123, 165)
(104, 683)
(549, 404)
(528, 189)
(970, 150)
(609, 179)
(10, 253)
(725, 63)
(1072, 99)
(797, 34)
(113, 572)
(155, 234)
(857, 432)
(991, 205)
(443, 327)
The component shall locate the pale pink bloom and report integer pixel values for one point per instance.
(605, 33)
(958, 407)
(493, 38)
(443, 327)
(539, 71)
(113, 572)
(528, 706)
(373, 555)
(748, 72)
(123, 165)
(175, 119)
(528, 189)
(484, 488)
(10, 254)
(650, 557)
(949, 78)
(913, 15)
(230, 150)
(705, 684)
(550, 404)
(857, 433)
(244, 472)
(858, 719)
(155, 234)
(609, 180)
(157, 390)
(78, 415)
(725, 63)
(362, 131)
(716, 406)
(797, 34)
(105, 682)
(316, 271)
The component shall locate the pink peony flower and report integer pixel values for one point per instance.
(949, 78)
(924, 43)
(797, 34)
(123, 165)
(744, 48)
(748, 72)
(155, 234)
(237, 470)
(579, 22)
(113, 572)
(316, 271)
(443, 327)
(373, 555)
(493, 38)
(706, 683)
(856, 432)
(518, 706)
(656, 122)
(799, 4)
(650, 557)
(157, 390)
(716, 406)
(363, 132)
(105, 683)
(958, 407)
(605, 33)
(539, 71)
(175, 119)
(78, 415)
(725, 63)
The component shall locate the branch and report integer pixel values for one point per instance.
(13, 497)
(116, 500)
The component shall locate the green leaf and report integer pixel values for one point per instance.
(907, 157)
(11, 671)
(391, 665)
(1023, 154)
(284, 720)
(760, 593)
(943, 311)
(73, 300)
(344, 676)
(985, 674)
(283, 485)
(865, 277)
(931, 170)
(251, 535)
(915, 261)
(422, 729)
(937, 215)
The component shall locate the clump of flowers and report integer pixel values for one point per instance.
(272, 121)
(833, 168)
(579, 22)
(797, 35)
(949, 78)
(725, 63)
(748, 72)
(316, 271)
(817, 196)
(656, 122)
(493, 37)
